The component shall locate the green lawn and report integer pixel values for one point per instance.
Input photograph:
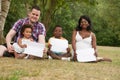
(17, 69)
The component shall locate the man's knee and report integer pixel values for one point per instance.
(2, 50)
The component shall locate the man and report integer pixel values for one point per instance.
(38, 34)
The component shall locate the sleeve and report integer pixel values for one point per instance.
(42, 30)
(49, 41)
(17, 25)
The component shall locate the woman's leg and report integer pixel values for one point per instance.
(99, 59)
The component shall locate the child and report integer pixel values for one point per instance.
(26, 33)
(58, 46)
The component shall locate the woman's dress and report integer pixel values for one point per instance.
(84, 50)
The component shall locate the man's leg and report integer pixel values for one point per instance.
(2, 50)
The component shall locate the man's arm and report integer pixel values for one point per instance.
(9, 37)
(41, 39)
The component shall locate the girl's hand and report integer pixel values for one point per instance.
(23, 46)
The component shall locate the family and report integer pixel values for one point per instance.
(29, 29)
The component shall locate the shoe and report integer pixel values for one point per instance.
(65, 58)
(49, 57)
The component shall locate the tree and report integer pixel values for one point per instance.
(4, 8)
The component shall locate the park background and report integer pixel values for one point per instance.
(105, 16)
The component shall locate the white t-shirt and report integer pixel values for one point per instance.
(58, 45)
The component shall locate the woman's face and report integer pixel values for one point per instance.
(84, 23)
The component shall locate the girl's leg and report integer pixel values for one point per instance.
(19, 55)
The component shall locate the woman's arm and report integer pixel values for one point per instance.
(94, 43)
(74, 43)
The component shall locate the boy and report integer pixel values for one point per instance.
(58, 46)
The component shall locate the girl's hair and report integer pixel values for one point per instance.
(79, 28)
(24, 27)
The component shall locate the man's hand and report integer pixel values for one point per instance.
(10, 48)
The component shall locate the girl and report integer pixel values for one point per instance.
(26, 36)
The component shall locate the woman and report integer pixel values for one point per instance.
(84, 42)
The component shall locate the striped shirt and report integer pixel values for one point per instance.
(38, 29)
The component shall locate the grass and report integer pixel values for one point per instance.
(17, 69)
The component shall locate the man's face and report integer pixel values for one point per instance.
(34, 15)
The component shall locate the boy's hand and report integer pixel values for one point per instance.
(68, 50)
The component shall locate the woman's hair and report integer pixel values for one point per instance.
(24, 27)
(79, 28)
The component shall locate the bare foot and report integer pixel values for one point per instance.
(19, 55)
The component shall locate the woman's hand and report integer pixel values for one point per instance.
(75, 57)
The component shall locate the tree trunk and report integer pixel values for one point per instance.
(48, 10)
(4, 8)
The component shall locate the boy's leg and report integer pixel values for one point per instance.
(54, 56)
(66, 55)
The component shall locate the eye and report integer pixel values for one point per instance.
(34, 14)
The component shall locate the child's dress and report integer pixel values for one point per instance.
(58, 46)
(17, 48)
(84, 50)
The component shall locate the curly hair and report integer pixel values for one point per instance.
(24, 27)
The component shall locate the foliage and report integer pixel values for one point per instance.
(108, 20)
(17, 10)
(103, 13)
